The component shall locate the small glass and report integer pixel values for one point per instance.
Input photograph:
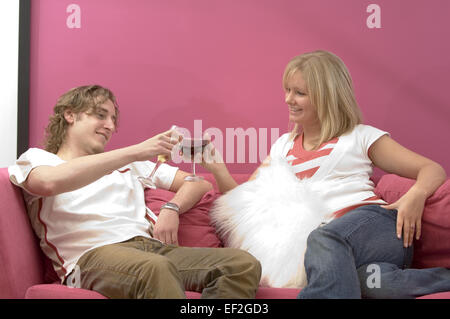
(190, 148)
(148, 181)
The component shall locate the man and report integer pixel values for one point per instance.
(87, 207)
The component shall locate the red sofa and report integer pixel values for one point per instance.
(26, 273)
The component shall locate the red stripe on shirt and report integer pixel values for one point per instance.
(343, 211)
(302, 156)
(151, 220)
(307, 173)
(305, 156)
(45, 236)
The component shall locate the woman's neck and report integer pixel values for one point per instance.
(311, 136)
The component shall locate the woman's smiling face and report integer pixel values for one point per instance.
(301, 111)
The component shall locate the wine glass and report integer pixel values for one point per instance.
(190, 148)
(148, 181)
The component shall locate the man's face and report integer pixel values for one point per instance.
(92, 130)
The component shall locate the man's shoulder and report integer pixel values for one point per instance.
(35, 151)
(32, 158)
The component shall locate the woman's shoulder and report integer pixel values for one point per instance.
(365, 135)
(366, 130)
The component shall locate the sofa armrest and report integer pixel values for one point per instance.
(20, 256)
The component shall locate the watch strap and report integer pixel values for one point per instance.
(171, 206)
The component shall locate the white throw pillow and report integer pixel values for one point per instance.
(271, 218)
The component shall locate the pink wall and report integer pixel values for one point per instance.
(221, 62)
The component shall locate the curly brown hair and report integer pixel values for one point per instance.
(80, 99)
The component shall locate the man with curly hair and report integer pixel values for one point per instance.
(88, 209)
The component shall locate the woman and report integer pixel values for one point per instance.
(331, 147)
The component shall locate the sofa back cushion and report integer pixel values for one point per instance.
(195, 228)
(433, 248)
(238, 177)
(195, 225)
(20, 256)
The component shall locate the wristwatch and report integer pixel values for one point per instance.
(171, 206)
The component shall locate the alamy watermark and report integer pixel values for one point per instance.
(235, 145)
(73, 20)
(74, 279)
(374, 279)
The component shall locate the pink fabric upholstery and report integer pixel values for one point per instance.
(433, 248)
(57, 291)
(20, 256)
(195, 229)
(441, 295)
(262, 293)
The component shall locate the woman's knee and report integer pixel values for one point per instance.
(320, 239)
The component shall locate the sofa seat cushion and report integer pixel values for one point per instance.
(433, 248)
(58, 291)
(261, 293)
(440, 295)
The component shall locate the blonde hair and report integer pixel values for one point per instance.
(79, 99)
(330, 89)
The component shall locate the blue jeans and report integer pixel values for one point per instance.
(359, 256)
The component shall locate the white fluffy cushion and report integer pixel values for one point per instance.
(271, 218)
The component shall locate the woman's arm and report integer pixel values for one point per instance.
(266, 162)
(392, 157)
(214, 163)
(225, 182)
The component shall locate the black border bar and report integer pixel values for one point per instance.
(23, 98)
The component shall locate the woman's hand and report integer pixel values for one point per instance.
(212, 160)
(393, 158)
(409, 215)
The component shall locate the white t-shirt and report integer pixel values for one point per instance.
(343, 175)
(112, 209)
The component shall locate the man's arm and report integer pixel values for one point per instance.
(81, 171)
(187, 195)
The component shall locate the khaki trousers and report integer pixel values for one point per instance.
(146, 268)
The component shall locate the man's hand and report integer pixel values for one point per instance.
(166, 227)
(161, 144)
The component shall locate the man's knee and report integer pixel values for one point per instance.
(158, 266)
(158, 277)
(248, 259)
(241, 261)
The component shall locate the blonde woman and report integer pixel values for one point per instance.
(330, 147)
